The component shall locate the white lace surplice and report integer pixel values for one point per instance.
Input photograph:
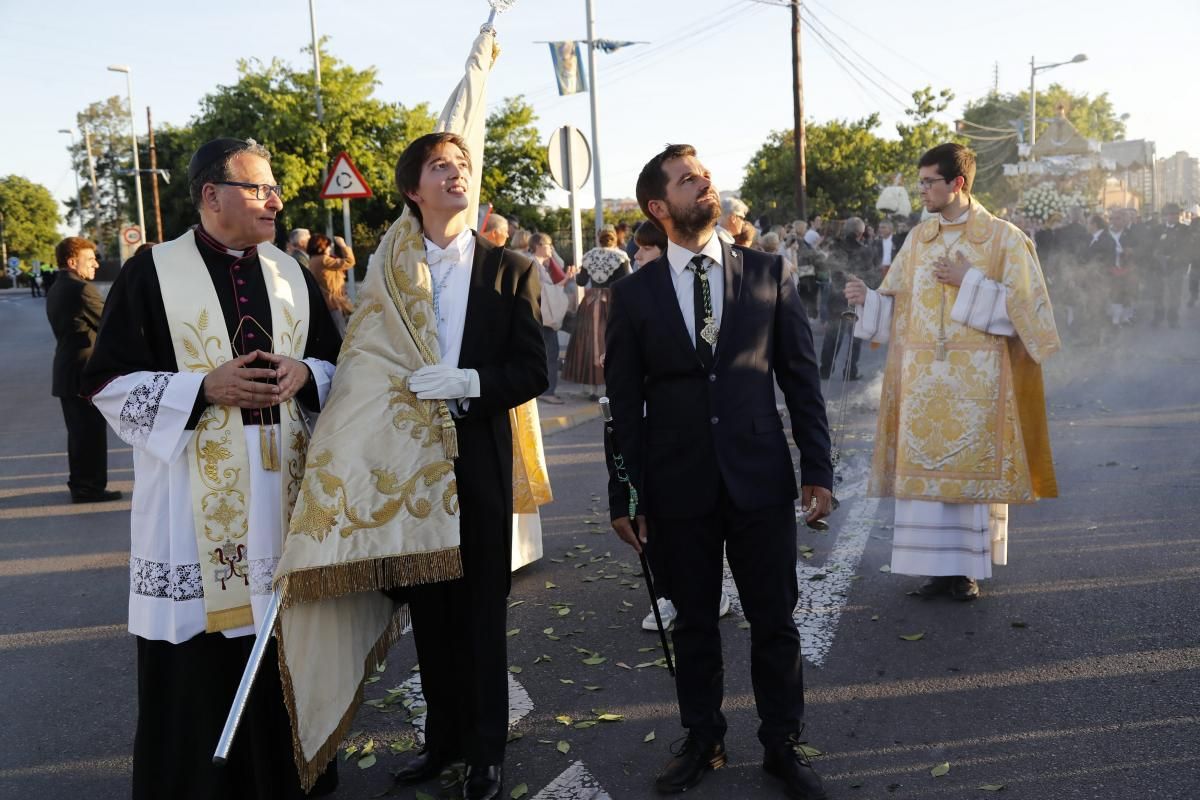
(149, 411)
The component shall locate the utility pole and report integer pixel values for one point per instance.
(591, 32)
(316, 48)
(154, 177)
(798, 115)
(87, 143)
(995, 78)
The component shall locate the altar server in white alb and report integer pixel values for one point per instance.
(208, 345)
(962, 418)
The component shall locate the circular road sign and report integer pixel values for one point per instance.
(570, 157)
(131, 234)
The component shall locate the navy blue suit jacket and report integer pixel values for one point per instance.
(703, 427)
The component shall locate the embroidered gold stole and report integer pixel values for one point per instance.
(218, 460)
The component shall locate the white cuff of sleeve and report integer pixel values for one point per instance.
(982, 304)
(875, 319)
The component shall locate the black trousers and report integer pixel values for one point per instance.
(184, 694)
(761, 548)
(459, 625)
(829, 345)
(87, 446)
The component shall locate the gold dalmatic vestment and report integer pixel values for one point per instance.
(969, 427)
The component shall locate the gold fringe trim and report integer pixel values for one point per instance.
(310, 771)
(223, 620)
(374, 574)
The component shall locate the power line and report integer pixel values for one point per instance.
(813, 17)
(870, 97)
(880, 42)
(812, 29)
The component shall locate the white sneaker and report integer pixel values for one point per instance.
(724, 604)
(666, 610)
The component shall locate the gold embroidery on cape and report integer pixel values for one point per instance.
(317, 520)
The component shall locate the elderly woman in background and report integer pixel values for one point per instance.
(651, 244)
(772, 244)
(330, 272)
(746, 236)
(602, 266)
(553, 304)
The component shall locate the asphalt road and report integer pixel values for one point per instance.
(1075, 676)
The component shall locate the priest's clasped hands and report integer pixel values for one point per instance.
(236, 383)
(950, 271)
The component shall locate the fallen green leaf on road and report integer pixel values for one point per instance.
(886, 568)
(940, 769)
(563, 719)
(515, 670)
(649, 737)
(563, 747)
(594, 660)
(913, 637)
(744, 625)
(514, 632)
(516, 603)
(611, 717)
(519, 791)
(366, 761)
(991, 787)
(551, 585)
(587, 723)
(593, 688)
(809, 751)
(565, 681)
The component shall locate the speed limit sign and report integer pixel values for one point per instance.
(131, 235)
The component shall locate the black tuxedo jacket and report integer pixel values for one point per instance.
(703, 427)
(502, 341)
(74, 308)
(1102, 252)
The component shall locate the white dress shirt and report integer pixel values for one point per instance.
(887, 254)
(450, 272)
(683, 279)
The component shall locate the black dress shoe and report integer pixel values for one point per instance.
(964, 588)
(425, 765)
(788, 762)
(102, 496)
(938, 585)
(690, 764)
(483, 783)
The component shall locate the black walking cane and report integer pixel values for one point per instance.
(623, 477)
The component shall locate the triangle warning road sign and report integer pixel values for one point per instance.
(344, 181)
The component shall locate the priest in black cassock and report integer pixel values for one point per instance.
(209, 348)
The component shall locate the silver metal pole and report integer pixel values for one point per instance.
(137, 167)
(591, 32)
(1032, 107)
(351, 287)
(316, 48)
(75, 171)
(568, 144)
(265, 631)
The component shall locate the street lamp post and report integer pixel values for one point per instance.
(137, 168)
(75, 171)
(1034, 69)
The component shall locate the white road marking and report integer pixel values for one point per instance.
(519, 702)
(576, 783)
(822, 599)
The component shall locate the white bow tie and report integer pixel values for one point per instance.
(451, 256)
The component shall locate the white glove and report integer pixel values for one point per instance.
(443, 382)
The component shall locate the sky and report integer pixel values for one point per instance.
(714, 73)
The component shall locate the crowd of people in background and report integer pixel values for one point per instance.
(1100, 267)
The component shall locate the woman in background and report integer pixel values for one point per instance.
(553, 305)
(602, 266)
(330, 271)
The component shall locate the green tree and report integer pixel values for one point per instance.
(110, 201)
(847, 163)
(515, 169)
(922, 130)
(274, 104)
(30, 219)
(991, 125)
